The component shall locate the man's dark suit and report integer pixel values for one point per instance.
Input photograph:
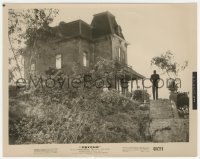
(155, 79)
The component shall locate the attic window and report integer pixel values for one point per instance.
(58, 61)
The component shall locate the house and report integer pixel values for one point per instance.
(81, 43)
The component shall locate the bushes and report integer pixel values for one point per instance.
(82, 115)
(182, 103)
(13, 91)
(141, 95)
(182, 99)
(99, 117)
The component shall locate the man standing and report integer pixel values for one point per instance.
(155, 79)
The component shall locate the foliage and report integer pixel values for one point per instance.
(166, 63)
(172, 86)
(182, 99)
(141, 95)
(77, 115)
(25, 27)
(13, 91)
(28, 23)
(182, 102)
(58, 117)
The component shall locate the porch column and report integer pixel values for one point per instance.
(137, 82)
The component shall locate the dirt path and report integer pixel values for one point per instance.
(165, 125)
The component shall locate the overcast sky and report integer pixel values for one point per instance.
(151, 29)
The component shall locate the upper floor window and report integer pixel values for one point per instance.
(85, 59)
(33, 67)
(58, 61)
(119, 54)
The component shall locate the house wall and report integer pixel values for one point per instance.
(87, 47)
(71, 52)
(103, 48)
(116, 44)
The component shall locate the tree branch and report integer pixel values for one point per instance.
(14, 56)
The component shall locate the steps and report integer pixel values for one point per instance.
(161, 109)
(165, 125)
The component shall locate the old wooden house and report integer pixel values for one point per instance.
(79, 42)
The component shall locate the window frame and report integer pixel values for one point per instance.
(119, 54)
(85, 59)
(60, 65)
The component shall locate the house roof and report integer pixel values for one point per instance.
(74, 28)
(137, 75)
(104, 24)
(134, 74)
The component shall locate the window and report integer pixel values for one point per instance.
(58, 61)
(33, 67)
(119, 54)
(85, 59)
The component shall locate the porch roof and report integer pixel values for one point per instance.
(132, 73)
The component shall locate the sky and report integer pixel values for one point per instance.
(151, 29)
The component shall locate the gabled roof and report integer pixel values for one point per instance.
(105, 24)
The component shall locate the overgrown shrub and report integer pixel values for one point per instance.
(182, 103)
(13, 91)
(141, 95)
(182, 99)
(59, 117)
